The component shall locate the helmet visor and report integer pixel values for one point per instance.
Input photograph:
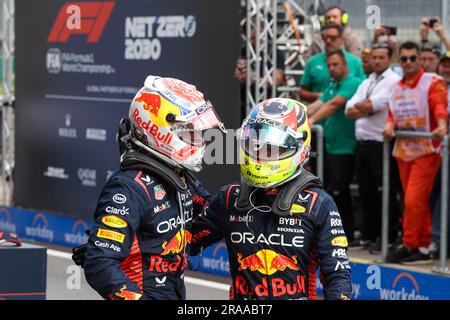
(205, 117)
(190, 129)
(268, 142)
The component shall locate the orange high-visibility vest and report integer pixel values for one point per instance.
(411, 112)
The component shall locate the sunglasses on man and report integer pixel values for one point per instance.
(405, 59)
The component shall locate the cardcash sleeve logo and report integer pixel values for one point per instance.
(110, 235)
(114, 222)
(340, 242)
(143, 34)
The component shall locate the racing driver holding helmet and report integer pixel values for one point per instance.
(278, 223)
(138, 246)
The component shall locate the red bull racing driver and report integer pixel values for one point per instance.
(278, 223)
(138, 246)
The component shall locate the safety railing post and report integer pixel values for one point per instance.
(318, 129)
(444, 206)
(385, 200)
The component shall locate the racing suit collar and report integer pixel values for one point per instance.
(135, 160)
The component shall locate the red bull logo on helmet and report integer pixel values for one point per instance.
(151, 128)
(152, 102)
(267, 262)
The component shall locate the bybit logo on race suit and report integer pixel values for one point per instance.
(153, 129)
(75, 18)
(267, 262)
(177, 243)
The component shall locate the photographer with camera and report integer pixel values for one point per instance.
(435, 25)
(386, 34)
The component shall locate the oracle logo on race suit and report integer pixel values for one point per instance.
(81, 18)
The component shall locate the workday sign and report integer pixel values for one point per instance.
(378, 282)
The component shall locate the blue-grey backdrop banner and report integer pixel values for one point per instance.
(79, 64)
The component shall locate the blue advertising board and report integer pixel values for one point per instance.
(384, 282)
(369, 281)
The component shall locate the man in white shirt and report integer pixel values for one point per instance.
(369, 106)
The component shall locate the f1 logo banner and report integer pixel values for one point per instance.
(81, 18)
(79, 69)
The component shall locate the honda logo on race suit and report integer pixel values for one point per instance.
(81, 18)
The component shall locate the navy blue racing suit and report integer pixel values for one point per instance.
(274, 257)
(140, 239)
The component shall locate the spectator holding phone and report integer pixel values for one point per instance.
(386, 34)
(435, 25)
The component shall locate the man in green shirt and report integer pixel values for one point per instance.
(340, 138)
(316, 77)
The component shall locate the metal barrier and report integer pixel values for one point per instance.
(443, 268)
(318, 129)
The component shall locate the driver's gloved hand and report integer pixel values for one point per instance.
(79, 253)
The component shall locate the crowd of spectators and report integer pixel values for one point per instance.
(362, 96)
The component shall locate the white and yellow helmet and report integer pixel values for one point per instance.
(168, 117)
(275, 141)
